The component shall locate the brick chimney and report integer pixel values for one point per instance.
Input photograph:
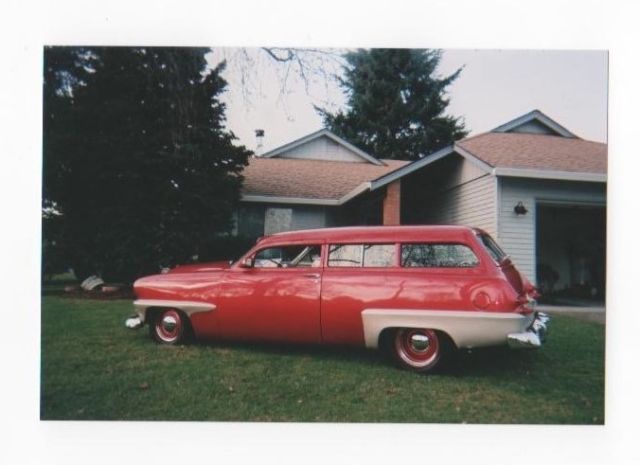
(391, 204)
(259, 141)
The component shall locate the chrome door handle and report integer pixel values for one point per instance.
(312, 275)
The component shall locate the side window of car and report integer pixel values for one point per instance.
(438, 256)
(299, 256)
(367, 255)
(379, 255)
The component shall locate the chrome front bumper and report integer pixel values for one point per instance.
(534, 336)
(133, 322)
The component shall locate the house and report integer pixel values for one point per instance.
(536, 187)
(317, 181)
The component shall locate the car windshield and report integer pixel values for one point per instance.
(493, 248)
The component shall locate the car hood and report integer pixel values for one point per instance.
(200, 267)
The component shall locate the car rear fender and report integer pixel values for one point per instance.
(467, 329)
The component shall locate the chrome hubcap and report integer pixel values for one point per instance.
(419, 342)
(169, 323)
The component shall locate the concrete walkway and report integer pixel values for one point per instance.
(597, 314)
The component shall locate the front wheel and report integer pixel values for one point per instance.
(418, 349)
(170, 326)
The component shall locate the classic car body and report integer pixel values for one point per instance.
(418, 291)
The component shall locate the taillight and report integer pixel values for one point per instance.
(482, 300)
(530, 289)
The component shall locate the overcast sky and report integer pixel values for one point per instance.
(495, 86)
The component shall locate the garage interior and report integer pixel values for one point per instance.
(570, 253)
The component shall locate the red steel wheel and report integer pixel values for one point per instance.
(417, 349)
(169, 327)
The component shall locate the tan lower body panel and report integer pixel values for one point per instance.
(468, 329)
(189, 308)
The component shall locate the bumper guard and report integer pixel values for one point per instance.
(534, 336)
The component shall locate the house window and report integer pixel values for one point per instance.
(277, 220)
(438, 256)
(299, 256)
(367, 255)
(250, 220)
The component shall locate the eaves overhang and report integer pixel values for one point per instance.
(550, 174)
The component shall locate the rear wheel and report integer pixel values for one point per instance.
(170, 326)
(418, 349)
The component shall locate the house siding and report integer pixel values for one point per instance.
(322, 148)
(517, 233)
(471, 204)
(461, 194)
(534, 127)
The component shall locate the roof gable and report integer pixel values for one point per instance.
(535, 122)
(323, 145)
(532, 145)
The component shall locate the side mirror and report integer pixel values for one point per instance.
(246, 263)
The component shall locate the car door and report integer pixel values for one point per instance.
(355, 279)
(277, 298)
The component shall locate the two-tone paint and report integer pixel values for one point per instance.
(475, 306)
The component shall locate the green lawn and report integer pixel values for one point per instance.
(93, 368)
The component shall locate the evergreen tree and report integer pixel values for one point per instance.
(137, 163)
(396, 104)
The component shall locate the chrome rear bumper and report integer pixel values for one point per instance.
(534, 336)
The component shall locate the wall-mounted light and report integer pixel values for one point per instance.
(520, 209)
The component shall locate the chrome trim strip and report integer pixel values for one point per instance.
(187, 307)
(526, 340)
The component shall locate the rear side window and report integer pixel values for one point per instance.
(493, 248)
(367, 255)
(438, 256)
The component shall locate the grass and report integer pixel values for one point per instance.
(93, 368)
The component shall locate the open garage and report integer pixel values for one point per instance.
(570, 258)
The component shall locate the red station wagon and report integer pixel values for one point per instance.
(416, 291)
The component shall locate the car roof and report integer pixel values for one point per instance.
(445, 233)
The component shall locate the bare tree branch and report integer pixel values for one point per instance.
(249, 68)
